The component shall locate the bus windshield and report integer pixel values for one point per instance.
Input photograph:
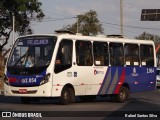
(33, 51)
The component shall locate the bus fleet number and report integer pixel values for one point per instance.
(150, 70)
(29, 80)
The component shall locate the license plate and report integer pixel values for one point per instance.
(22, 90)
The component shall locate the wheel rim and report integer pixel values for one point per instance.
(122, 94)
(66, 95)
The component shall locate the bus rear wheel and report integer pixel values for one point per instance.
(123, 95)
(67, 96)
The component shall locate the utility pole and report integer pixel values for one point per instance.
(13, 39)
(121, 16)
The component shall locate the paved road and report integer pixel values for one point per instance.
(144, 104)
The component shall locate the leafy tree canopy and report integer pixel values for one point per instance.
(23, 10)
(88, 24)
(148, 36)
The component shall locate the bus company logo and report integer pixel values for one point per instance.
(98, 72)
(134, 72)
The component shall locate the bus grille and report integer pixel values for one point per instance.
(28, 92)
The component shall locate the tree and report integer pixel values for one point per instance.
(148, 36)
(24, 11)
(88, 24)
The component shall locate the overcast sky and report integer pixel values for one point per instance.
(108, 11)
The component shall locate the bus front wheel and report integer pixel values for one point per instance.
(67, 96)
(123, 95)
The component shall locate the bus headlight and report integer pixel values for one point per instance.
(45, 79)
(6, 81)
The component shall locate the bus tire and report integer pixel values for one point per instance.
(25, 100)
(72, 95)
(123, 95)
(67, 96)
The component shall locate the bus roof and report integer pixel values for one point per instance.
(94, 38)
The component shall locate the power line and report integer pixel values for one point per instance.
(56, 19)
(53, 13)
(124, 29)
(68, 18)
(132, 26)
(136, 27)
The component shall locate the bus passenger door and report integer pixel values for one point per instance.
(63, 70)
(148, 71)
(133, 69)
(84, 66)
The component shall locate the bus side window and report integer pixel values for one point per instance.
(131, 52)
(101, 56)
(64, 56)
(116, 54)
(84, 53)
(147, 56)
